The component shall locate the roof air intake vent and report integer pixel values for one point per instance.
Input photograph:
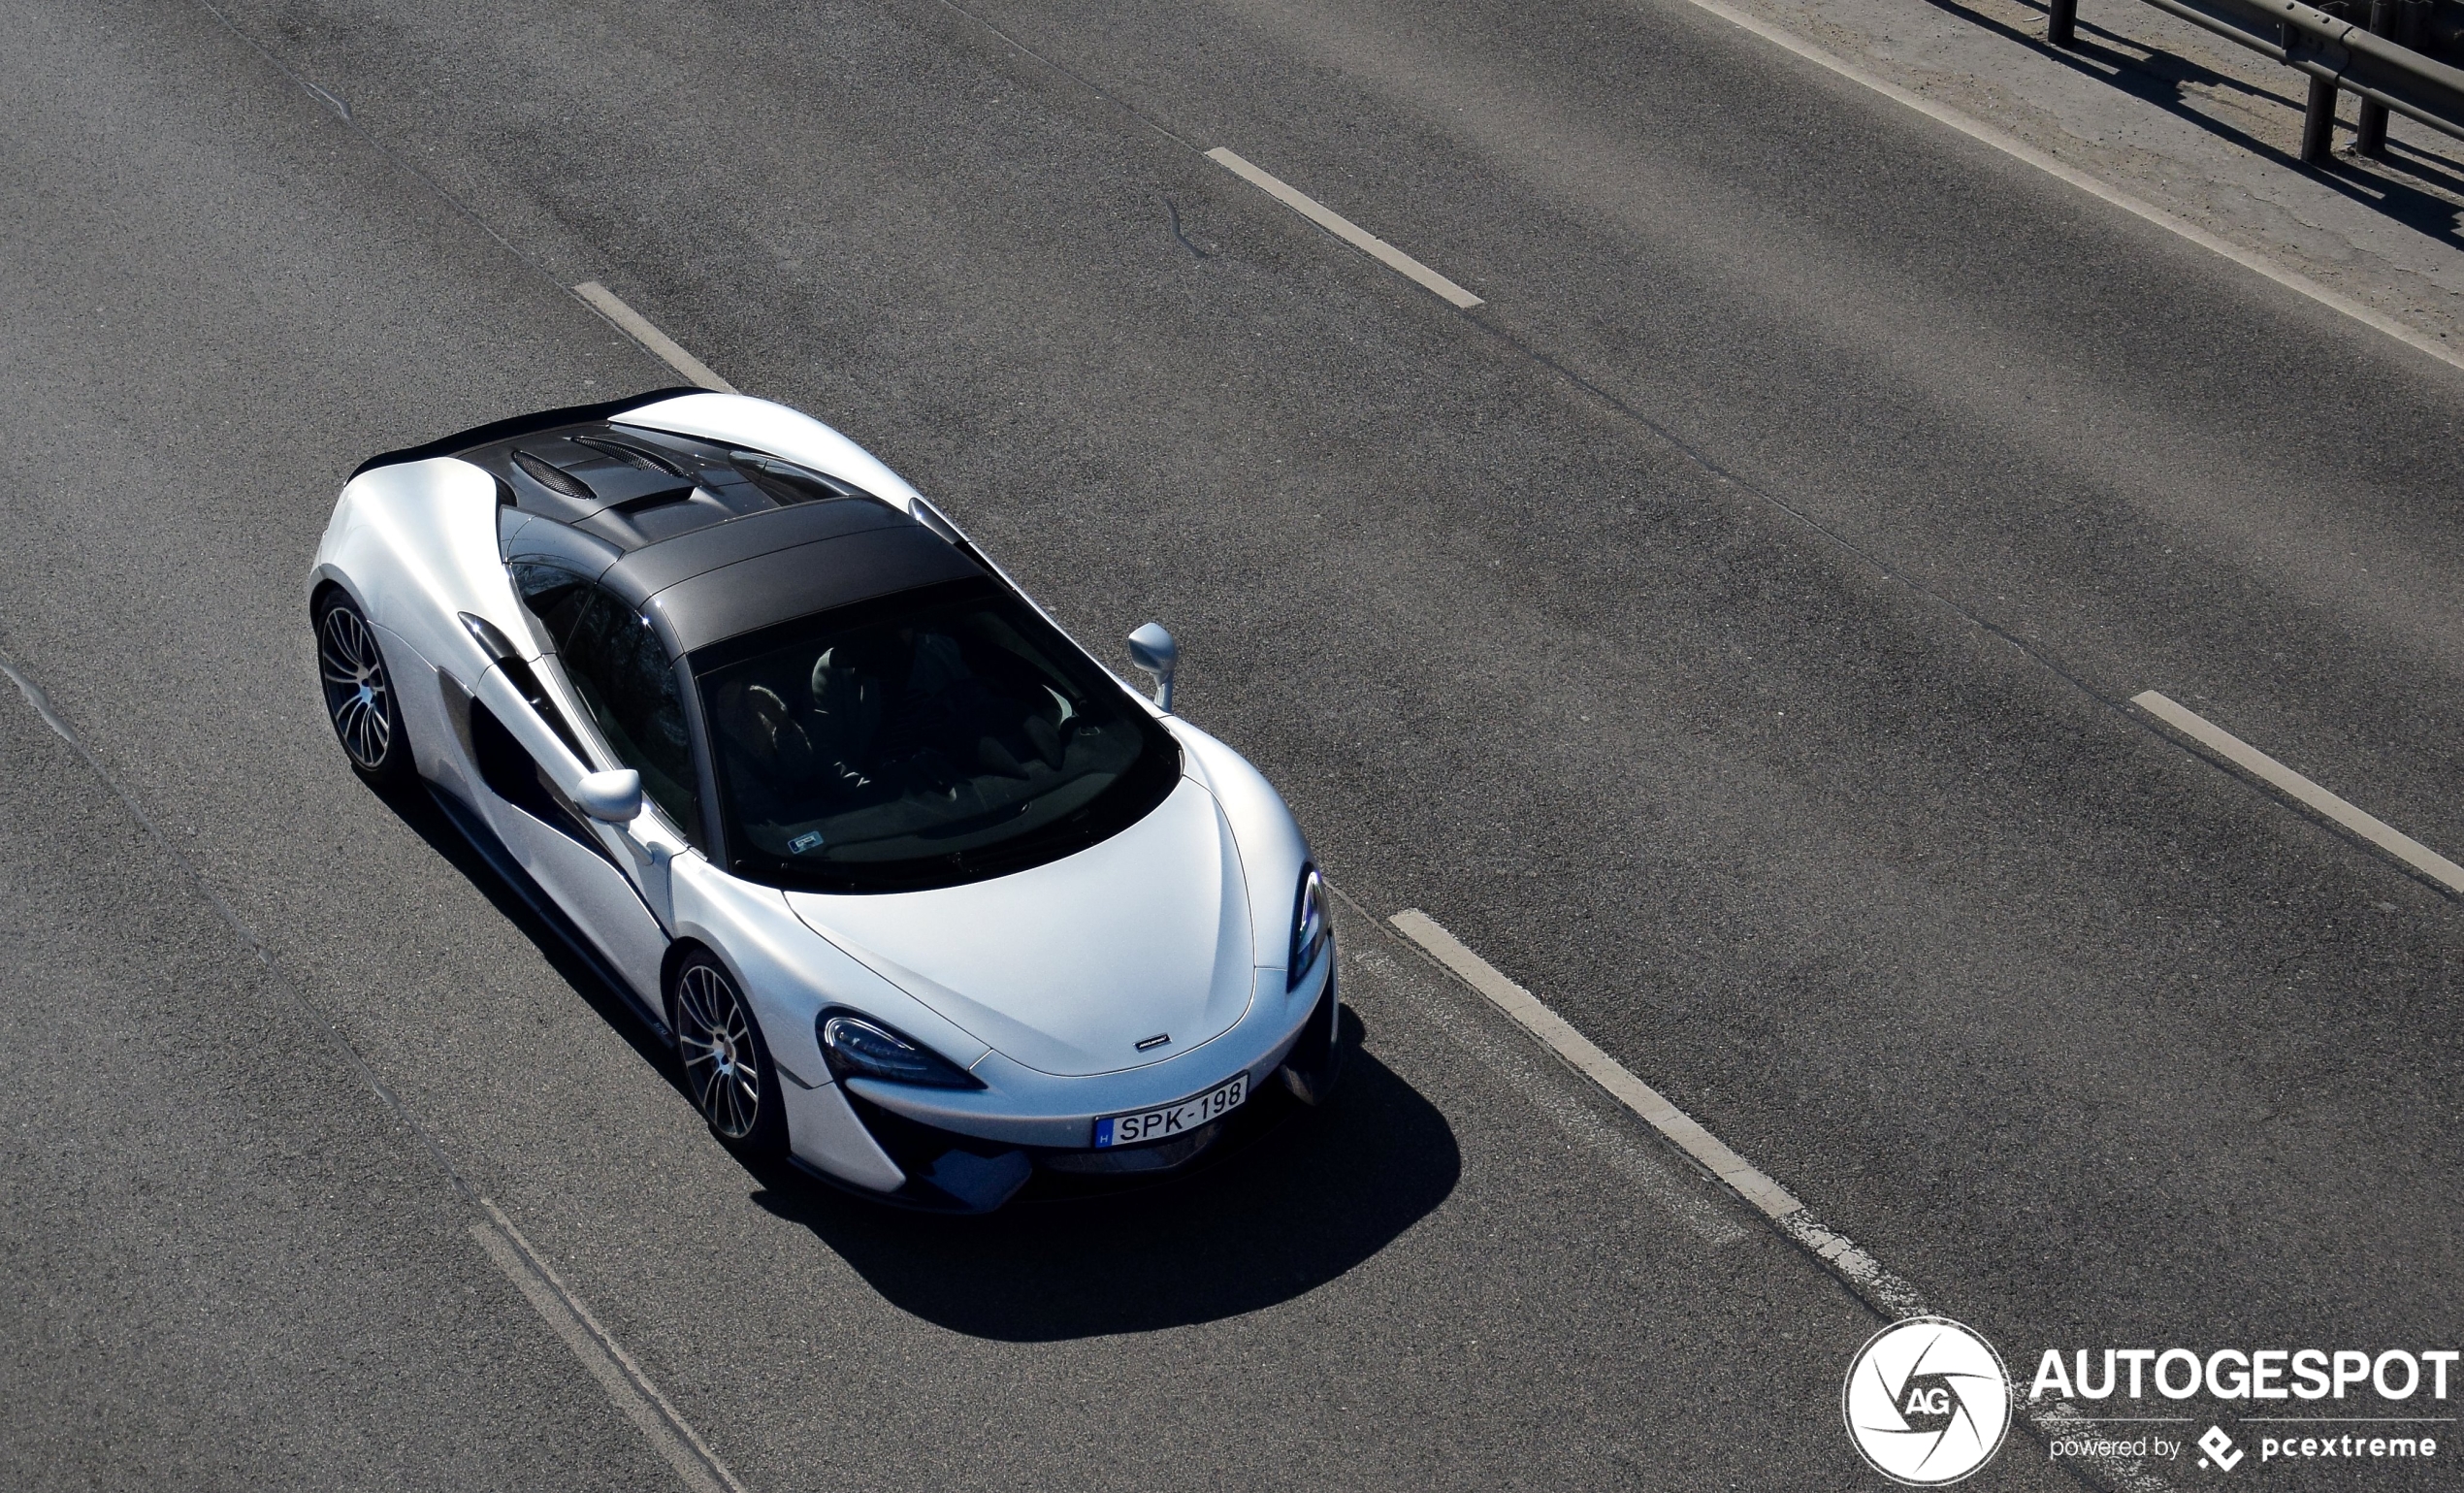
(787, 483)
(624, 451)
(554, 479)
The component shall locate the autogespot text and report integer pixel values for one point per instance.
(2259, 1373)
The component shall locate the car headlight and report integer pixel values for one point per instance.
(859, 1047)
(1311, 933)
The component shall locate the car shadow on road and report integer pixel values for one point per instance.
(1299, 1205)
(1302, 1205)
(528, 909)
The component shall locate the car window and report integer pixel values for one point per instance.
(922, 740)
(553, 595)
(628, 684)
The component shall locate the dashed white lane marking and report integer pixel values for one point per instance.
(636, 325)
(606, 1360)
(1588, 1059)
(1986, 135)
(1887, 1293)
(600, 1354)
(1343, 227)
(2301, 789)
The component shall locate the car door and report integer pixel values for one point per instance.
(628, 688)
(516, 720)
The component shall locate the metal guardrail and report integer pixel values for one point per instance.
(2380, 62)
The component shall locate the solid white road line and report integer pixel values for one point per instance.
(1984, 134)
(1887, 1293)
(1531, 1077)
(1343, 227)
(606, 1360)
(637, 326)
(2292, 784)
(1600, 1068)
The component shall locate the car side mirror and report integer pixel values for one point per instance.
(1153, 649)
(610, 797)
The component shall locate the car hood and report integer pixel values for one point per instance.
(1067, 968)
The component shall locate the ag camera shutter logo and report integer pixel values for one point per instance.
(1926, 1401)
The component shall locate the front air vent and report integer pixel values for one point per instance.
(555, 479)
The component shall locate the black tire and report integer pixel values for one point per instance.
(1314, 1070)
(727, 1069)
(360, 698)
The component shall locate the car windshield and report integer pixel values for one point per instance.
(934, 737)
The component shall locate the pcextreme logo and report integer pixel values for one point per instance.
(1926, 1401)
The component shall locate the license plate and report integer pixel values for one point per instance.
(1171, 1119)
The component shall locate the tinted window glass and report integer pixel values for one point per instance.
(628, 684)
(554, 596)
(931, 738)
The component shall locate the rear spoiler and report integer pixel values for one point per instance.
(520, 425)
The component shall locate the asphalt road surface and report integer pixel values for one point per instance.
(1727, 629)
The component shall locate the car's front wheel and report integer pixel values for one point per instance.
(727, 1068)
(359, 695)
(1314, 1069)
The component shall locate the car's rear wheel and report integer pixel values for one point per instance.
(727, 1068)
(359, 694)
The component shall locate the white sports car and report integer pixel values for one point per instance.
(926, 899)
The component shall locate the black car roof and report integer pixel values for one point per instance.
(706, 540)
(798, 581)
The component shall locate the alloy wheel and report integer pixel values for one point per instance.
(357, 693)
(714, 1034)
